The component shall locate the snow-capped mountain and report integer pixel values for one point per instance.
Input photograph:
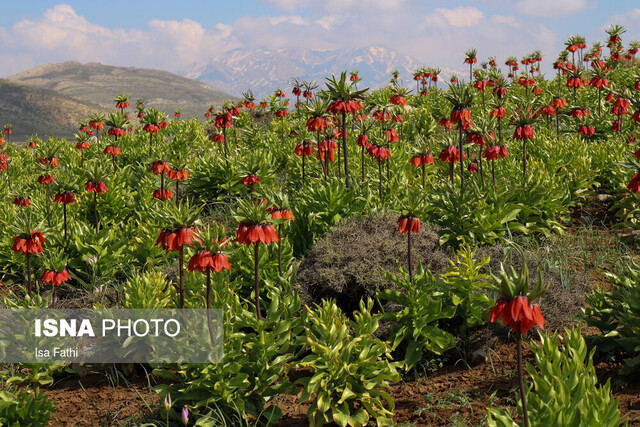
(263, 71)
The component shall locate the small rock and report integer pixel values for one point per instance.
(604, 197)
(479, 357)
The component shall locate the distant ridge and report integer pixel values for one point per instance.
(99, 84)
(45, 112)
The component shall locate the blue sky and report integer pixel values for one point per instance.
(172, 35)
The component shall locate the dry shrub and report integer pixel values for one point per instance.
(349, 263)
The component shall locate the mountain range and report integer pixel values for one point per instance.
(264, 70)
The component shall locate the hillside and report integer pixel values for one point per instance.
(100, 83)
(33, 110)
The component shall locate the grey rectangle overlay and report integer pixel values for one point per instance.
(111, 336)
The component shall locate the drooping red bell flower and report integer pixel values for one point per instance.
(408, 223)
(422, 159)
(392, 135)
(159, 167)
(559, 103)
(53, 278)
(363, 141)
(380, 153)
(450, 154)
(83, 145)
(95, 187)
(174, 240)
(112, 150)
(178, 175)
(491, 153)
(634, 184)
(304, 149)
(250, 180)
(46, 179)
(524, 132)
(117, 132)
(253, 233)
(286, 214)
(473, 167)
(315, 124)
(517, 314)
(498, 113)
(50, 162)
(205, 260)
(460, 115)
(150, 128)
(65, 197)
(31, 244)
(447, 124)
(548, 110)
(163, 195)
(19, 201)
(398, 100)
(217, 138)
(586, 130)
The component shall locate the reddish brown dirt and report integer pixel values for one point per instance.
(93, 400)
(450, 395)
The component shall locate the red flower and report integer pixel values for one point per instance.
(517, 313)
(178, 175)
(53, 278)
(96, 125)
(634, 184)
(254, 233)
(408, 223)
(83, 145)
(446, 123)
(398, 100)
(450, 154)
(19, 201)
(217, 138)
(66, 197)
(315, 124)
(392, 135)
(97, 187)
(500, 92)
(378, 152)
(559, 103)
(163, 194)
(51, 162)
(205, 260)
(524, 132)
(473, 167)
(174, 240)
(491, 153)
(117, 132)
(498, 113)
(159, 167)
(549, 110)
(29, 245)
(463, 115)
(46, 179)
(151, 128)
(286, 214)
(304, 149)
(250, 180)
(112, 150)
(617, 126)
(33, 144)
(363, 141)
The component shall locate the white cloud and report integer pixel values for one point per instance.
(60, 34)
(463, 16)
(550, 8)
(332, 6)
(289, 19)
(507, 20)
